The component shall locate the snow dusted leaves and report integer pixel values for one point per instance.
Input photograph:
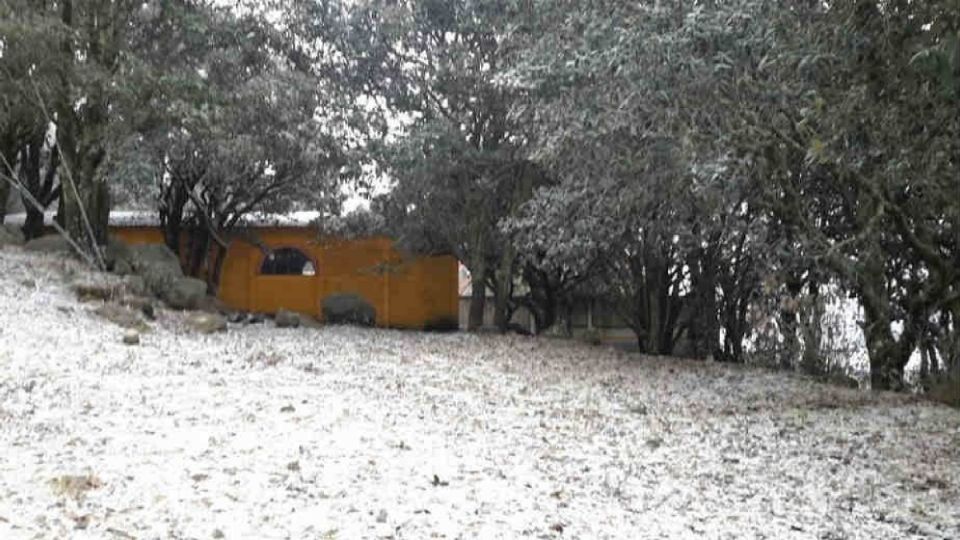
(349, 433)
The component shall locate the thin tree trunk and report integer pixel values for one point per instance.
(504, 286)
(478, 299)
(4, 197)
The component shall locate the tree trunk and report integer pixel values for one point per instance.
(886, 359)
(4, 197)
(478, 300)
(198, 251)
(215, 269)
(704, 329)
(33, 223)
(504, 288)
(80, 136)
(888, 356)
(811, 330)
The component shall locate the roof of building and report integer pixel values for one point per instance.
(139, 218)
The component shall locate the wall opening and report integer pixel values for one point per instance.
(287, 262)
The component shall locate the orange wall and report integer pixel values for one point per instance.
(406, 291)
(138, 235)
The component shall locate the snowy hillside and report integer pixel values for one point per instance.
(347, 433)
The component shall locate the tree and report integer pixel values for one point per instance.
(67, 70)
(240, 128)
(456, 166)
(621, 99)
(863, 168)
(29, 158)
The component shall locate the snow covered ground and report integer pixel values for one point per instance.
(343, 433)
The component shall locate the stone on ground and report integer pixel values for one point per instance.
(348, 308)
(121, 316)
(157, 264)
(286, 319)
(206, 323)
(131, 337)
(184, 293)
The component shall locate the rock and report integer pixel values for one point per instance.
(122, 268)
(256, 318)
(136, 285)
(286, 319)
(158, 266)
(184, 292)
(11, 235)
(212, 304)
(143, 255)
(117, 256)
(206, 323)
(382, 516)
(236, 317)
(51, 243)
(348, 309)
(307, 321)
(87, 291)
(121, 316)
(131, 337)
(141, 304)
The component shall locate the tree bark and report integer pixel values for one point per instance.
(504, 288)
(704, 329)
(7, 149)
(888, 355)
(4, 197)
(478, 299)
(85, 196)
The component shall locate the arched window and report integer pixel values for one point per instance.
(287, 262)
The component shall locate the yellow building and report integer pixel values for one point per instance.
(301, 269)
(294, 268)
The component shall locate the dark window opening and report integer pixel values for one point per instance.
(287, 262)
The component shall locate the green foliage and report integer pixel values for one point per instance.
(202, 111)
(729, 145)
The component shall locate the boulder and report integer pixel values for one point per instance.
(91, 290)
(348, 308)
(184, 292)
(117, 257)
(212, 304)
(158, 266)
(286, 319)
(206, 323)
(144, 255)
(135, 285)
(51, 243)
(141, 304)
(11, 235)
(237, 317)
(307, 321)
(121, 316)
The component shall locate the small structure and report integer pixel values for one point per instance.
(291, 266)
